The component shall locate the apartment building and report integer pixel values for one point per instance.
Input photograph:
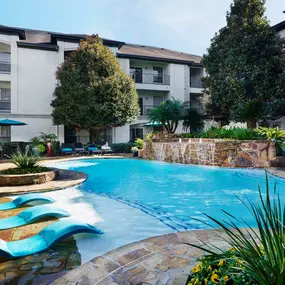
(28, 62)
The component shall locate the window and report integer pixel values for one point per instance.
(137, 74)
(276, 124)
(5, 62)
(195, 77)
(5, 134)
(136, 133)
(157, 100)
(5, 100)
(158, 74)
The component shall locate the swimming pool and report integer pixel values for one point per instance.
(132, 199)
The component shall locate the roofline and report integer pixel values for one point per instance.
(13, 31)
(279, 27)
(40, 46)
(159, 59)
(76, 39)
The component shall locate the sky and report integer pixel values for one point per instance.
(182, 25)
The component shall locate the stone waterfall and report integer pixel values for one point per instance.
(227, 153)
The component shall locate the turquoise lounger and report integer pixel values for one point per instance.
(31, 215)
(24, 199)
(45, 238)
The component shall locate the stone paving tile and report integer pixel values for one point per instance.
(154, 261)
(129, 257)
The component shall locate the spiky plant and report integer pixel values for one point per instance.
(24, 160)
(262, 247)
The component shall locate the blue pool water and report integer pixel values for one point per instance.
(173, 193)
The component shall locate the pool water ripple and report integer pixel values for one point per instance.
(173, 193)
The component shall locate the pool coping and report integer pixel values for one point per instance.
(161, 259)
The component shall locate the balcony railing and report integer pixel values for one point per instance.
(145, 110)
(195, 82)
(5, 63)
(148, 78)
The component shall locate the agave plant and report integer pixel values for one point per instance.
(24, 160)
(262, 248)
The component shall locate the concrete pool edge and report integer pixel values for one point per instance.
(160, 258)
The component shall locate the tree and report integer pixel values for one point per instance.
(192, 120)
(93, 93)
(168, 113)
(245, 63)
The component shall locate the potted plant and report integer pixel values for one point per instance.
(135, 151)
(48, 140)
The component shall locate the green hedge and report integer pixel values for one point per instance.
(219, 133)
(122, 147)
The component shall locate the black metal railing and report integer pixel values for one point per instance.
(195, 82)
(148, 78)
(145, 110)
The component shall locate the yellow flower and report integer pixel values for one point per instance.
(221, 262)
(197, 268)
(226, 278)
(196, 281)
(215, 278)
(206, 281)
(210, 268)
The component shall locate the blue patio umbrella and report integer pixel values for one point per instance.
(7, 122)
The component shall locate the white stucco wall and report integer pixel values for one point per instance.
(34, 126)
(177, 81)
(121, 134)
(36, 81)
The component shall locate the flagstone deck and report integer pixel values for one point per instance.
(161, 260)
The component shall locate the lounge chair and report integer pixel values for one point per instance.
(24, 199)
(106, 149)
(31, 215)
(94, 150)
(45, 238)
(66, 149)
(79, 149)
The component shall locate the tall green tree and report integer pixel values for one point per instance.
(245, 64)
(93, 93)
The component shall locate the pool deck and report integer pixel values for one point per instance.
(162, 260)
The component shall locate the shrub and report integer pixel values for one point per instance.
(139, 143)
(260, 247)
(41, 148)
(15, 171)
(218, 269)
(274, 134)
(122, 147)
(24, 160)
(221, 133)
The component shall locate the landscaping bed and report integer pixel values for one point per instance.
(15, 178)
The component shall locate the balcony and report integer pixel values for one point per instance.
(145, 110)
(5, 63)
(195, 82)
(148, 78)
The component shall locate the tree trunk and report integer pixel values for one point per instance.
(95, 134)
(251, 124)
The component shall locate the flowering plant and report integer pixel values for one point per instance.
(218, 269)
